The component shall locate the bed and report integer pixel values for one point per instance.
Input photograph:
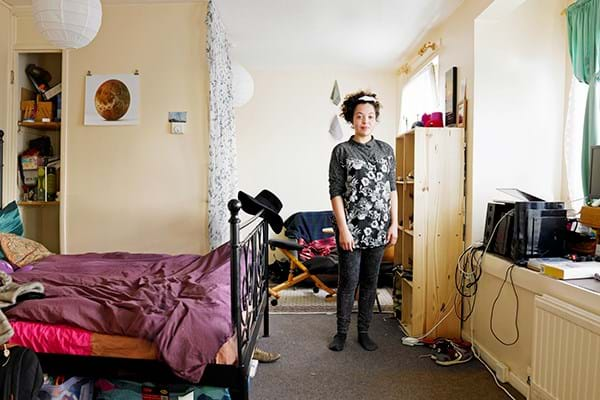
(152, 317)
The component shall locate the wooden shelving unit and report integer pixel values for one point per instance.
(41, 219)
(38, 203)
(42, 126)
(430, 188)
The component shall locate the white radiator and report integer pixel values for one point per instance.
(566, 352)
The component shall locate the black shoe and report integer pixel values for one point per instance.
(338, 342)
(366, 342)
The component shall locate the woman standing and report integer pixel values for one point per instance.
(361, 185)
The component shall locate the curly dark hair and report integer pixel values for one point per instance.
(353, 99)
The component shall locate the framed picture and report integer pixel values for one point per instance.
(461, 114)
(451, 95)
(112, 99)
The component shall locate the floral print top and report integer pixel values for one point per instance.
(364, 175)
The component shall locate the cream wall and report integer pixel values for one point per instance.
(457, 37)
(138, 188)
(282, 133)
(519, 96)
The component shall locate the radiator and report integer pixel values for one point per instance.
(566, 352)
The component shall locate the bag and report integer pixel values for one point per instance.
(74, 388)
(20, 375)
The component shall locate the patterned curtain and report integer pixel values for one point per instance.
(583, 22)
(222, 171)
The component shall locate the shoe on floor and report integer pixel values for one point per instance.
(453, 355)
(264, 356)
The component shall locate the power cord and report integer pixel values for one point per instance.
(469, 269)
(413, 341)
(508, 273)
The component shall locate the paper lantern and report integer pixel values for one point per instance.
(242, 85)
(68, 24)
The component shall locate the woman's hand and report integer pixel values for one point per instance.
(392, 235)
(346, 240)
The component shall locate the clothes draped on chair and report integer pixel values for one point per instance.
(222, 169)
(314, 248)
(583, 20)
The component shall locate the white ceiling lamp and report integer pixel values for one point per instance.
(242, 85)
(68, 24)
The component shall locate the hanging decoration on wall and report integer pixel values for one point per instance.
(112, 99)
(242, 85)
(335, 129)
(68, 24)
(335, 94)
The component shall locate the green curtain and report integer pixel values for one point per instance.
(583, 21)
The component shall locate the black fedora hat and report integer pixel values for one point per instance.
(264, 201)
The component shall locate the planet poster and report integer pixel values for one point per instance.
(112, 99)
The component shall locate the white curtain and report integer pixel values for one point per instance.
(222, 170)
(573, 143)
(420, 96)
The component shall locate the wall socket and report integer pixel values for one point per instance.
(177, 128)
(502, 372)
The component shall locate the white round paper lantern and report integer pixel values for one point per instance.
(68, 24)
(242, 85)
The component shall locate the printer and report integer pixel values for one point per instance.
(526, 228)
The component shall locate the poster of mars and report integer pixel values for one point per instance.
(112, 99)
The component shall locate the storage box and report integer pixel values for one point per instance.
(590, 216)
(45, 109)
(27, 110)
(30, 162)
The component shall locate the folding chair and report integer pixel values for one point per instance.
(308, 227)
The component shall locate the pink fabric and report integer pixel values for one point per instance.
(57, 339)
(321, 247)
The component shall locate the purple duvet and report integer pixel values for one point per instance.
(181, 303)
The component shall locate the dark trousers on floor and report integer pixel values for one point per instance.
(357, 268)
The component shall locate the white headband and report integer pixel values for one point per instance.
(368, 98)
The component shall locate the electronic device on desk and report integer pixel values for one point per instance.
(528, 228)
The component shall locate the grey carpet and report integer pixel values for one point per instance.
(308, 370)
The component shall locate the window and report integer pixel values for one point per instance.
(420, 95)
(573, 142)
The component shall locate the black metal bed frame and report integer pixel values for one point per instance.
(249, 307)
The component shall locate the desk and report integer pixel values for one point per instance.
(529, 284)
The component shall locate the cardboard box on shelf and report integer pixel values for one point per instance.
(27, 110)
(45, 109)
(590, 216)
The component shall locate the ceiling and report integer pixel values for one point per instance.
(371, 34)
(352, 33)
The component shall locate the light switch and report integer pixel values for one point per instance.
(177, 128)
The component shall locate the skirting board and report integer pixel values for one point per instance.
(492, 362)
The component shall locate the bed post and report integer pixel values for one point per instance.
(266, 274)
(235, 206)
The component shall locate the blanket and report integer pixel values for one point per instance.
(181, 303)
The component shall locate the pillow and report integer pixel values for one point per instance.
(10, 221)
(21, 251)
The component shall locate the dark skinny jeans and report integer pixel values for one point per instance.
(360, 266)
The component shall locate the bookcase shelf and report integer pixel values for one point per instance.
(42, 126)
(430, 189)
(37, 203)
